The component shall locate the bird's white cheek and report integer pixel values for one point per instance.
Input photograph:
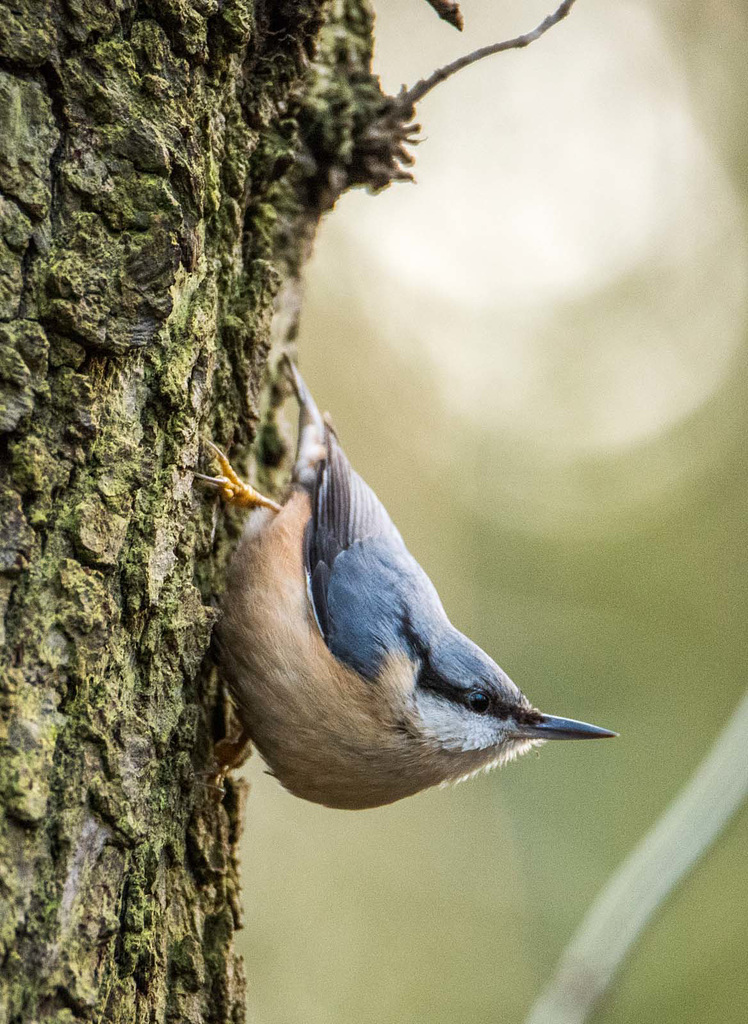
(456, 728)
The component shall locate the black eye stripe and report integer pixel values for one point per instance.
(430, 680)
(520, 711)
(477, 701)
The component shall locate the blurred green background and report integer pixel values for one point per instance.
(537, 358)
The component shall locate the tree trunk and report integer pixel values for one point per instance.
(163, 167)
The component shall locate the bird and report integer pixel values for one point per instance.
(344, 669)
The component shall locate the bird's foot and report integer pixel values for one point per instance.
(228, 755)
(232, 489)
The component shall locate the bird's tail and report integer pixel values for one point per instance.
(311, 448)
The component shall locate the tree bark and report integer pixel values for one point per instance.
(163, 167)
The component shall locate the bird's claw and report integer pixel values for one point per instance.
(229, 754)
(231, 487)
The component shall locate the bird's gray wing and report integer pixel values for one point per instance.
(365, 587)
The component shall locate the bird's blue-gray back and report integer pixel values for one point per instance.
(370, 596)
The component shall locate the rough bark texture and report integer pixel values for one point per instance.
(162, 169)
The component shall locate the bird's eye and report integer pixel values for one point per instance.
(479, 702)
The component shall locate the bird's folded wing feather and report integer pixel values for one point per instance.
(362, 581)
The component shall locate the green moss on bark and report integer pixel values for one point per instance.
(163, 167)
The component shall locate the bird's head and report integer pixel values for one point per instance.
(467, 709)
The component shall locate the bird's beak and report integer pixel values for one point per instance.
(551, 728)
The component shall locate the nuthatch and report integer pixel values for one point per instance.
(346, 672)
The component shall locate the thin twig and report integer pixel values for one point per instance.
(416, 93)
(663, 858)
(449, 11)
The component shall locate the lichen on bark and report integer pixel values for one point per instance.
(163, 167)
